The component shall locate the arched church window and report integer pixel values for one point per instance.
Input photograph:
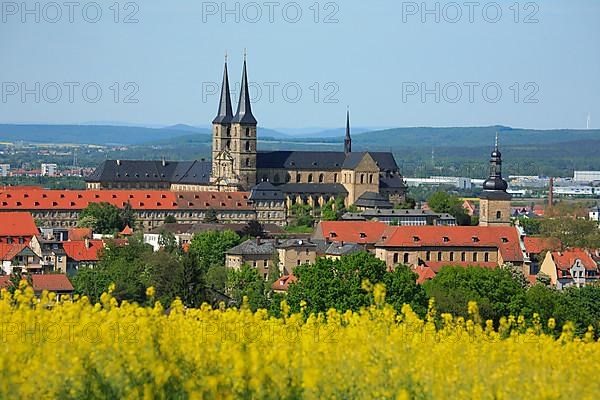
(247, 132)
(362, 178)
(247, 162)
(499, 215)
(310, 178)
(371, 178)
(228, 131)
(288, 178)
(298, 178)
(228, 144)
(248, 147)
(335, 178)
(321, 178)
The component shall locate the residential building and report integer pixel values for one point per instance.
(49, 169)
(535, 249)
(4, 170)
(17, 227)
(437, 246)
(595, 213)
(295, 252)
(573, 267)
(257, 253)
(82, 253)
(269, 203)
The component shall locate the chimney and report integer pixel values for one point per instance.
(258, 240)
(551, 193)
(87, 243)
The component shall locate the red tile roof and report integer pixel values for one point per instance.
(51, 283)
(361, 232)
(283, 283)
(505, 239)
(15, 199)
(80, 233)
(78, 251)
(9, 251)
(424, 273)
(534, 245)
(127, 231)
(17, 224)
(565, 260)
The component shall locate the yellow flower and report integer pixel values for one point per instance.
(150, 292)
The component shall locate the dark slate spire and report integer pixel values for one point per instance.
(348, 140)
(225, 114)
(495, 181)
(244, 111)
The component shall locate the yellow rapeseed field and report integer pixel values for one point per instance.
(76, 350)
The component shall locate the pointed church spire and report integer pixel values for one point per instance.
(244, 111)
(225, 114)
(348, 140)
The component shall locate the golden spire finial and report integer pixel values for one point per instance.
(496, 140)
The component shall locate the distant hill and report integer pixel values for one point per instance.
(421, 137)
(88, 134)
(471, 136)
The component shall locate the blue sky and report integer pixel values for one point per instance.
(390, 61)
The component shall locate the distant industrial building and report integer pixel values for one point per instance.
(458, 182)
(586, 176)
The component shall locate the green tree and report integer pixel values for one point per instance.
(168, 242)
(211, 217)
(402, 288)
(208, 248)
(246, 282)
(170, 219)
(572, 231)
(91, 282)
(105, 218)
(408, 204)
(336, 283)
(443, 202)
(531, 226)
(216, 278)
(254, 229)
(302, 214)
(580, 306)
(333, 210)
(164, 272)
(496, 292)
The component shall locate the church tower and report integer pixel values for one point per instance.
(495, 201)
(243, 141)
(222, 161)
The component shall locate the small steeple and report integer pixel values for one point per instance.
(495, 181)
(348, 139)
(225, 114)
(244, 111)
